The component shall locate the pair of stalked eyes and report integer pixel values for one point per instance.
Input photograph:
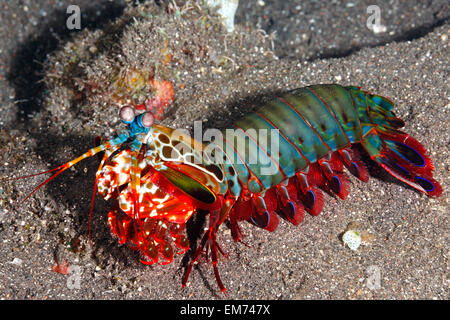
(127, 115)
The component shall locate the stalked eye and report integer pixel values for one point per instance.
(147, 119)
(127, 114)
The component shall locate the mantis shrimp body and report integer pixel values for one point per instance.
(161, 177)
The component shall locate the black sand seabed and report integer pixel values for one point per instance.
(407, 233)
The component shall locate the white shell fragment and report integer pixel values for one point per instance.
(352, 239)
(16, 261)
(226, 9)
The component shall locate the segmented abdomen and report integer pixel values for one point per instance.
(312, 122)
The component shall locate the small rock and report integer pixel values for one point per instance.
(352, 239)
(17, 262)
